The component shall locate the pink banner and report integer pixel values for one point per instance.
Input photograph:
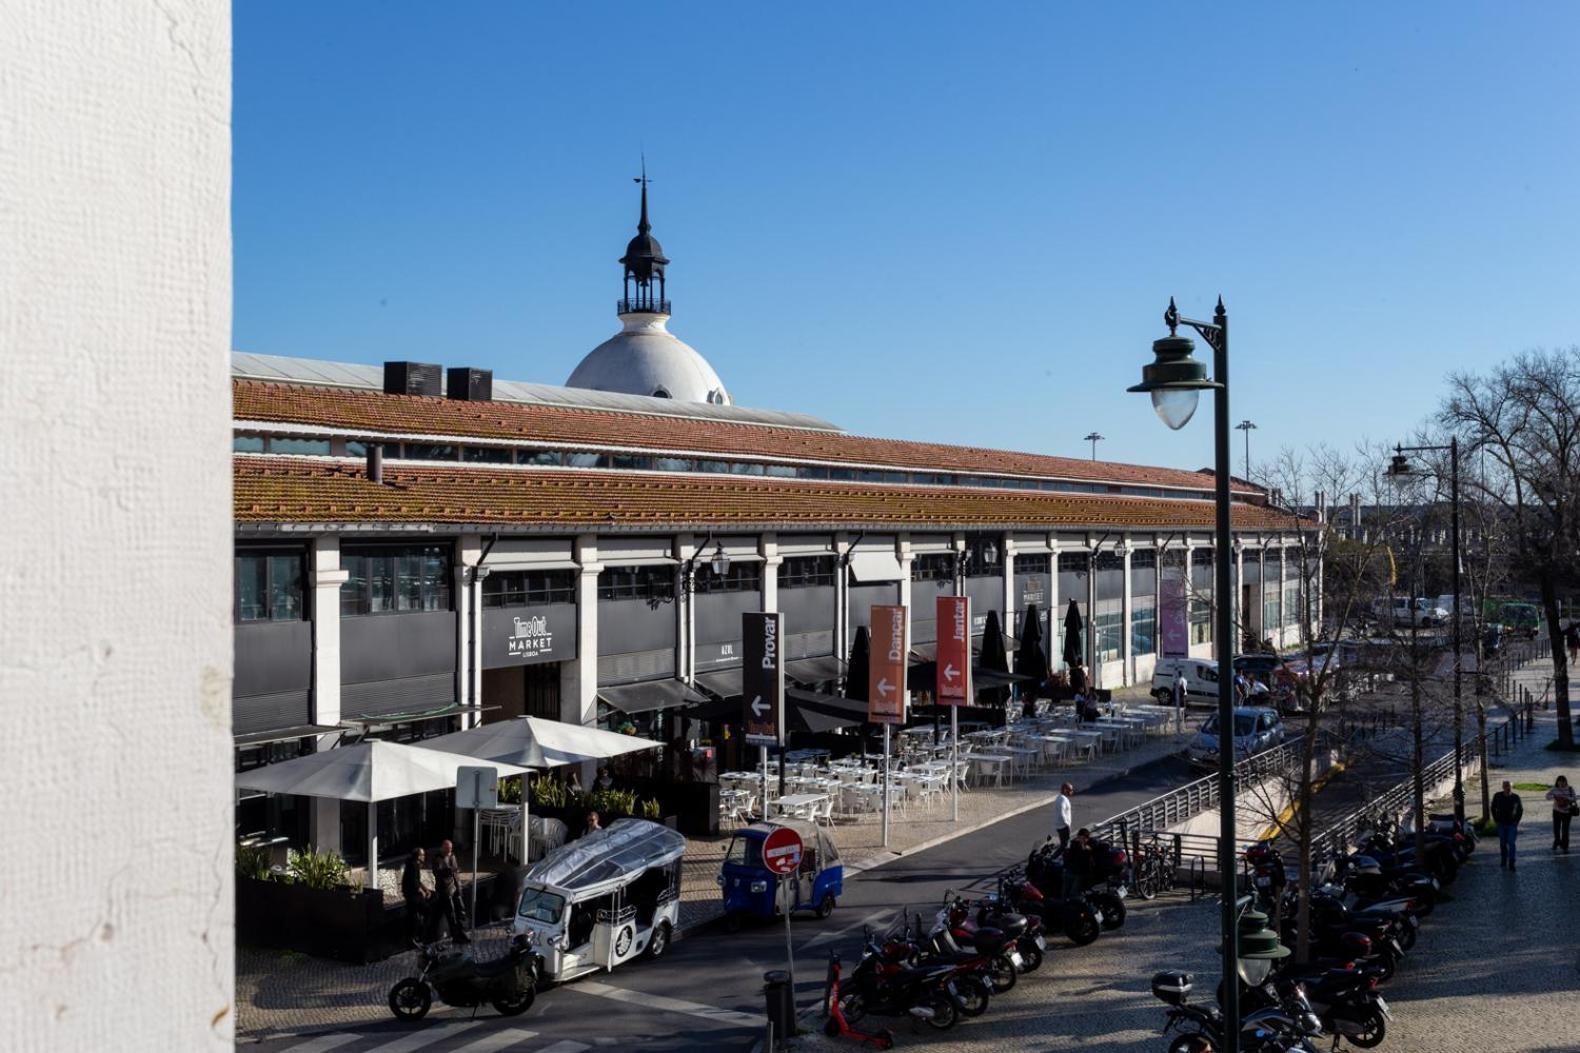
(1173, 612)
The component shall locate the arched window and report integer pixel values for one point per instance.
(661, 393)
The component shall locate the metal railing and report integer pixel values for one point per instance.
(638, 305)
(1194, 798)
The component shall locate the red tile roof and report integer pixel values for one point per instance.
(315, 490)
(376, 412)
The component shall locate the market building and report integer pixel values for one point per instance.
(420, 548)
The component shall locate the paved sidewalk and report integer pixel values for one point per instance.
(280, 992)
(1496, 969)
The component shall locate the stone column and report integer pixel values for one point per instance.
(842, 596)
(325, 578)
(768, 546)
(469, 550)
(1007, 563)
(579, 687)
(1126, 648)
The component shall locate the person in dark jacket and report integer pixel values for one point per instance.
(1507, 810)
(1079, 860)
(448, 903)
(419, 900)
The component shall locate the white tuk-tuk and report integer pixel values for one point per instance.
(604, 899)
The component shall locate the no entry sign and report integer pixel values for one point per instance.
(954, 650)
(782, 850)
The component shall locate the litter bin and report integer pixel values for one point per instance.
(780, 999)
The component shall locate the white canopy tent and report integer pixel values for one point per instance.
(369, 772)
(533, 742)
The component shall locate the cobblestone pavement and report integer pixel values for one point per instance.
(282, 992)
(1496, 969)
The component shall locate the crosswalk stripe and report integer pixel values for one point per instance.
(727, 1017)
(423, 1039)
(322, 1044)
(498, 1040)
(566, 1046)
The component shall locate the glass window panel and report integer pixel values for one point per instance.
(1143, 628)
(584, 460)
(285, 588)
(302, 447)
(427, 451)
(676, 464)
(356, 449)
(545, 457)
(247, 444)
(631, 462)
(745, 468)
(251, 588)
(780, 471)
(381, 583)
(354, 593)
(487, 454)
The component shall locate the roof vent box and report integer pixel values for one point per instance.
(470, 385)
(413, 378)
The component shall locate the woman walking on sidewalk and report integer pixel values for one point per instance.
(1564, 805)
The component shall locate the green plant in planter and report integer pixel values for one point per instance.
(319, 870)
(549, 793)
(652, 809)
(510, 791)
(252, 861)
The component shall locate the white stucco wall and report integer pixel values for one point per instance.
(114, 479)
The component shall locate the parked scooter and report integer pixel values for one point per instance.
(877, 987)
(972, 981)
(954, 937)
(1105, 888)
(509, 983)
(1264, 1030)
(1345, 1000)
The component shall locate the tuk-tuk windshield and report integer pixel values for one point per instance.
(541, 905)
(745, 851)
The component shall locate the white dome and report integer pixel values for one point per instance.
(645, 358)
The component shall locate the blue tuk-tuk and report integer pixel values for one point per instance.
(751, 890)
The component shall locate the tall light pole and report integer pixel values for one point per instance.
(1248, 427)
(1400, 470)
(1094, 439)
(1175, 380)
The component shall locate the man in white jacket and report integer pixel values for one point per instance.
(1063, 815)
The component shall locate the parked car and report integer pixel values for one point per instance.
(1418, 611)
(1256, 728)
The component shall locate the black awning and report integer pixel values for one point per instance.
(926, 652)
(298, 731)
(923, 676)
(649, 696)
(818, 670)
(820, 712)
(725, 683)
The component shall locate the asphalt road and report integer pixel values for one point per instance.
(707, 992)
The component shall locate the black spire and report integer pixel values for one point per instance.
(644, 261)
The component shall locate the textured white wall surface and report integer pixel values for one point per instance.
(115, 787)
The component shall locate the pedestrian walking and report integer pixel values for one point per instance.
(1507, 811)
(1062, 812)
(418, 897)
(1564, 806)
(1078, 861)
(1572, 638)
(447, 882)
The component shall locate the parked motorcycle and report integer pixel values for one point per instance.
(877, 987)
(1077, 918)
(956, 939)
(1200, 1026)
(1345, 1000)
(508, 983)
(1105, 888)
(971, 984)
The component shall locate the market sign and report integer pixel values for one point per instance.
(763, 677)
(529, 635)
(887, 666)
(1173, 612)
(954, 650)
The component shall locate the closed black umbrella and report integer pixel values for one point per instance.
(1073, 649)
(856, 676)
(1030, 659)
(995, 657)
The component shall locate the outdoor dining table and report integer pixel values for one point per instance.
(1088, 742)
(799, 803)
(983, 761)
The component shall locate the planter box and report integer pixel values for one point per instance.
(344, 924)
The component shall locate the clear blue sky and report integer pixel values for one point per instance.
(955, 222)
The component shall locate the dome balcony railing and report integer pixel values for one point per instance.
(648, 304)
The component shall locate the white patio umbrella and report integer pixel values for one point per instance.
(533, 742)
(369, 772)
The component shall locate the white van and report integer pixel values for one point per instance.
(1201, 680)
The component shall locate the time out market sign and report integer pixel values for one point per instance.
(529, 635)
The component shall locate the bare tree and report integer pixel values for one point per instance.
(1343, 574)
(1525, 417)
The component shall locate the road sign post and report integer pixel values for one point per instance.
(476, 787)
(954, 679)
(782, 850)
(886, 692)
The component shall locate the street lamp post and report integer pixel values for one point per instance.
(1401, 469)
(1175, 380)
(1094, 439)
(1248, 427)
